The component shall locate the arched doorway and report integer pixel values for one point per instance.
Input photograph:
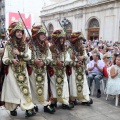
(93, 29)
(68, 30)
(50, 29)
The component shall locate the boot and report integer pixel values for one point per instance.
(91, 101)
(48, 109)
(69, 107)
(53, 106)
(13, 113)
(30, 113)
(88, 103)
(36, 108)
(33, 111)
(75, 102)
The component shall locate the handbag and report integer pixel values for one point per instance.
(105, 73)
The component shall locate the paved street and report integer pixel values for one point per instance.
(100, 110)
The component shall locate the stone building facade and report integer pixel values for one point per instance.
(97, 19)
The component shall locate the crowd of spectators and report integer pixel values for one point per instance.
(104, 63)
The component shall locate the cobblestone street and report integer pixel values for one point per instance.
(100, 110)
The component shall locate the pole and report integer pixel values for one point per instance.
(25, 25)
(60, 24)
(31, 40)
(45, 27)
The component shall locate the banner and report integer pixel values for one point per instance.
(14, 17)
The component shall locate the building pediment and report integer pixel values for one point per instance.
(64, 6)
(70, 5)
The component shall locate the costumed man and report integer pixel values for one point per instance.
(59, 83)
(16, 88)
(78, 82)
(41, 57)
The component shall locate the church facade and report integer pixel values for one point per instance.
(97, 19)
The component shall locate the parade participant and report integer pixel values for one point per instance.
(59, 83)
(78, 82)
(41, 57)
(16, 88)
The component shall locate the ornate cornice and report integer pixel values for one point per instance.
(59, 10)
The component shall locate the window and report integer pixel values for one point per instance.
(94, 23)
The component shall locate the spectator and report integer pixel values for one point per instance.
(90, 53)
(116, 54)
(106, 58)
(95, 69)
(113, 85)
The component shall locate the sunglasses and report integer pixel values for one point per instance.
(107, 57)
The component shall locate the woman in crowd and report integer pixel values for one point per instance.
(107, 62)
(106, 58)
(113, 85)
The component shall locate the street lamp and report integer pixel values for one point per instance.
(64, 23)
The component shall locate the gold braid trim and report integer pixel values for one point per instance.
(20, 75)
(59, 74)
(79, 81)
(40, 79)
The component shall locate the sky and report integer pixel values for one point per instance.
(48, 2)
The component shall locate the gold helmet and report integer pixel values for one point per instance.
(15, 26)
(76, 36)
(37, 29)
(58, 34)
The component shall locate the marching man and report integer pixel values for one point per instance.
(41, 57)
(78, 81)
(59, 83)
(16, 88)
